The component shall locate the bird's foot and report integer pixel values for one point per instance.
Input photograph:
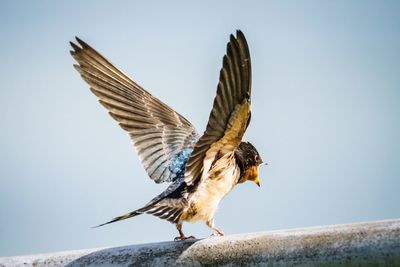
(218, 233)
(179, 238)
(182, 238)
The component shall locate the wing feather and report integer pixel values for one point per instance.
(230, 114)
(158, 133)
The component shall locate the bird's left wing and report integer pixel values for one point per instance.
(163, 138)
(230, 114)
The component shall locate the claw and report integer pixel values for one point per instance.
(179, 238)
(183, 238)
(218, 233)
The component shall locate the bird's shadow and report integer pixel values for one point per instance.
(152, 254)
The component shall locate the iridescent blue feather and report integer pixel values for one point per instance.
(178, 163)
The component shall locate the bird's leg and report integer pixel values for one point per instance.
(181, 234)
(217, 232)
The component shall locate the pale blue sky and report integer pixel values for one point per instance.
(326, 105)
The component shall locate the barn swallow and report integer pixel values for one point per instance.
(201, 169)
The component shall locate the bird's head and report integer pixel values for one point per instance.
(249, 161)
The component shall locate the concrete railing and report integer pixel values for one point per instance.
(359, 244)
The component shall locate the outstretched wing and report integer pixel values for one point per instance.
(163, 138)
(230, 114)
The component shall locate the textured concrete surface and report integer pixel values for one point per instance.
(360, 244)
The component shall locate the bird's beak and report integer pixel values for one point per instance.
(257, 179)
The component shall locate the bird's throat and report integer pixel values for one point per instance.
(251, 174)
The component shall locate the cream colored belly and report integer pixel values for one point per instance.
(205, 200)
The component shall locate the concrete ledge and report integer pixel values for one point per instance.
(361, 244)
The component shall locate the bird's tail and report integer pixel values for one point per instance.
(155, 207)
(122, 217)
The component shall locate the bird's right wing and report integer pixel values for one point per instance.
(163, 138)
(230, 114)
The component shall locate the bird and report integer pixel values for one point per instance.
(201, 169)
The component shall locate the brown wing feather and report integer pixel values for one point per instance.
(230, 113)
(158, 133)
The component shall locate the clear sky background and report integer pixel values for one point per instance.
(326, 106)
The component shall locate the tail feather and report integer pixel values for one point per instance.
(156, 208)
(122, 217)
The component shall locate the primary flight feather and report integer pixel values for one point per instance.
(202, 169)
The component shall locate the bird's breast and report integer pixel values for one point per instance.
(204, 201)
